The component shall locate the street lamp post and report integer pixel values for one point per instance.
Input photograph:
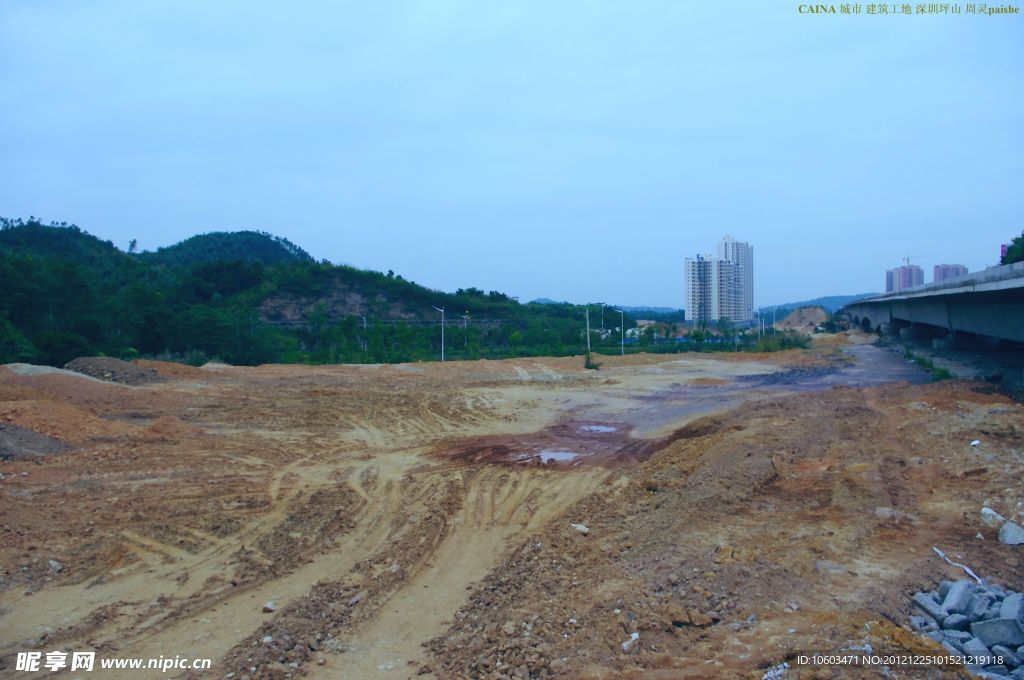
(441, 309)
(622, 330)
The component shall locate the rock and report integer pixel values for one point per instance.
(957, 622)
(978, 609)
(959, 597)
(357, 598)
(991, 518)
(55, 566)
(974, 647)
(1007, 632)
(944, 587)
(976, 442)
(926, 604)
(1011, 534)
(632, 643)
(269, 608)
(1010, 659)
(509, 628)
(267, 639)
(997, 669)
(582, 528)
(957, 635)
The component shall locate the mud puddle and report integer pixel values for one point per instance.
(628, 436)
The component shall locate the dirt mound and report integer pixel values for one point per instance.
(804, 319)
(114, 370)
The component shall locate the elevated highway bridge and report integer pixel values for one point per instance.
(986, 306)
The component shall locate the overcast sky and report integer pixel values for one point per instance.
(572, 150)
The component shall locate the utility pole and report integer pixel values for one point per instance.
(441, 309)
(588, 331)
(622, 331)
(465, 330)
(364, 334)
(602, 317)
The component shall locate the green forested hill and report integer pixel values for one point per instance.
(245, 298)
(247, 246)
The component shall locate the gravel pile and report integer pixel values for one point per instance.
(983, 623)
(114, 370)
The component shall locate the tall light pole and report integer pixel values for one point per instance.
(465, 330)
(441, 309)
(622, 330)
(588, 332)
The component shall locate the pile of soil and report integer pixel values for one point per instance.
(114, 370)
(804, 319)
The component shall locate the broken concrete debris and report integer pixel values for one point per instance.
(631, 644)
(991, 518)
(1011, 534)
(982, 622)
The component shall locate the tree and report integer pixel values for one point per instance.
(132, 245)
(1015, 253)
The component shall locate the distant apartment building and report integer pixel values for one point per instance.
(721, 287)
(901, 278)
(941, 272)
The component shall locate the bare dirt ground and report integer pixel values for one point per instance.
(416, 520)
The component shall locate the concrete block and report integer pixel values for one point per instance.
(1006, 632)
(944, 587)
(956, 622)
(925, 603)
(957, 635)
(998, 670)
(923, 623)
(959, 597)
(979, 606)
(1011, 534)
(1010, 659)
(974, 647)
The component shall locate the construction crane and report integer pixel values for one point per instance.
(907, 258)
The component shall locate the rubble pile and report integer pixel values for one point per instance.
(115, 370)
(983, 623)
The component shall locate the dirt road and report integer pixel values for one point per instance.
(415, 520)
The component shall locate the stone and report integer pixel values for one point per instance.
(979, 606)
(1009, 659)
(269, 608)
(922, 622)
(997, 669)
(1011, 534)
(957, 635)
(509, 628)
(959, 597)
(957, 622)
(582, 528)
(944, 587)
(632, 643)
(1012, 607)
(991, 518)
(974, 647)
(1007, 632)
(926, 604)
(55, 565)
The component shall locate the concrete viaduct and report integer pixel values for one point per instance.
(980, 307)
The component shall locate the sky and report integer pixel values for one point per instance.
(577, 150)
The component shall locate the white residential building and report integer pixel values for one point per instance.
(721, 287)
